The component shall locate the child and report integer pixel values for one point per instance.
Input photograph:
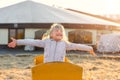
(55, 44)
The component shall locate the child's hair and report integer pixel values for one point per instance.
(55, 26)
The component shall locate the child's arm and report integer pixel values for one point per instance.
(30, 42)
(74, 46)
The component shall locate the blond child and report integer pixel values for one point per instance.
(55, 44)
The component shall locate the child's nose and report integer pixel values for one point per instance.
(59, 31)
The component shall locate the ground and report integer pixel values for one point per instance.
(16, 65)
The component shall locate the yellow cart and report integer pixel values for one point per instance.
(57, 71)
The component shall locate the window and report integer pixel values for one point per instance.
(16, 33)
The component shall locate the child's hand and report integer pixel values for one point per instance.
(93, 53)
(13, 43)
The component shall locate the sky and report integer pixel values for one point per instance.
(91, 6)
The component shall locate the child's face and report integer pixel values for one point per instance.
(57, 34)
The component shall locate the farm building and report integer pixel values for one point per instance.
(29, 19)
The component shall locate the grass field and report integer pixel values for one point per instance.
(18, 66)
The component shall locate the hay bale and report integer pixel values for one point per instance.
(79, 36)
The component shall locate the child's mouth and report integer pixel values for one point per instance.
(59, 35)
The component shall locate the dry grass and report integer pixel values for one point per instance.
(100, 68)
(18, 67)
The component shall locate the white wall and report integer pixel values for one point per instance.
(3, 36)
(30, 33)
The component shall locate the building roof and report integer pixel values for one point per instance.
(34, 12)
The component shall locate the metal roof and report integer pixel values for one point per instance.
(34, 12)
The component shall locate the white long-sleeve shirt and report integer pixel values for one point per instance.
(53, 51)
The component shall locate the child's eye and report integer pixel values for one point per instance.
(57, 30)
